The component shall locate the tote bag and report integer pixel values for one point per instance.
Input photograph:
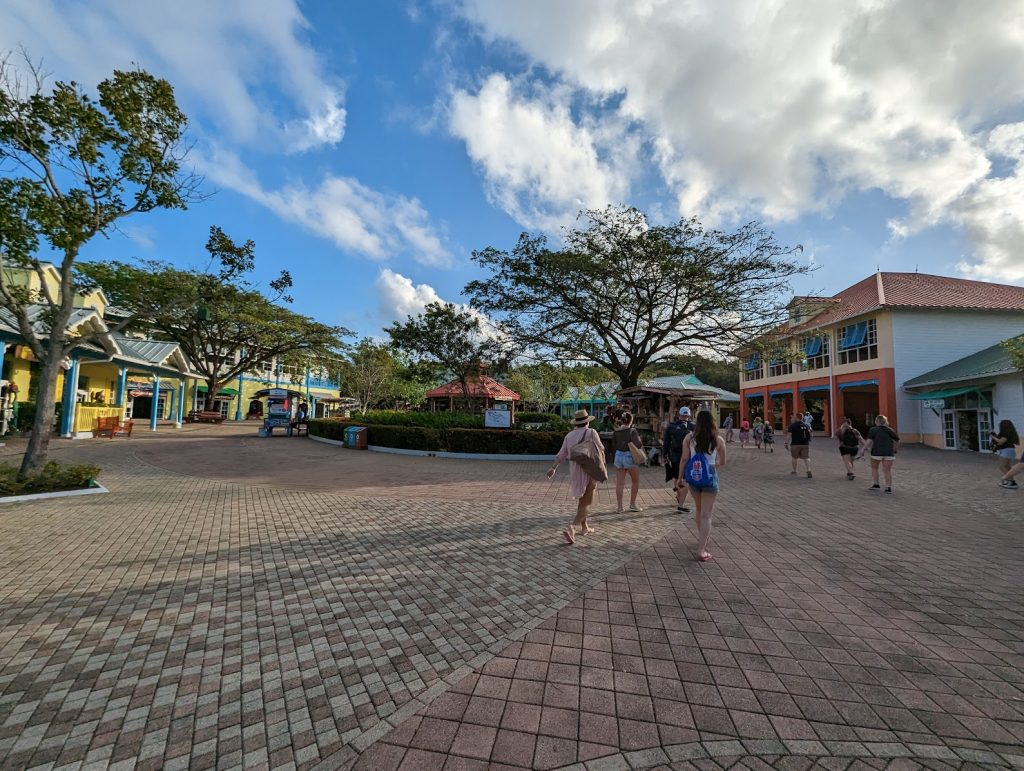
(589, 458)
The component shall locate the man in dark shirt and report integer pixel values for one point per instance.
(672, 447)
(799, 444)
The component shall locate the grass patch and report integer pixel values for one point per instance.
(51, 478)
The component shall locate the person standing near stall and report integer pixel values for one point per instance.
(672, 445)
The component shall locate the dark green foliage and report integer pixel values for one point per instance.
(721, 374)
(51, 478)
(467, 440)
(424, 419)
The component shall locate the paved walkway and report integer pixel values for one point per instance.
(238, 602)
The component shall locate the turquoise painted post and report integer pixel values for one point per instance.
(67, 413)
(156, 403)
(238, 407)
(122, 386)
(173, 407)
(312, 407)
(307, 384)
(181, 403)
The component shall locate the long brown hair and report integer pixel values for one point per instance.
(705, 435)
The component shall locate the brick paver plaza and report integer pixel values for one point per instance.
(238, 602)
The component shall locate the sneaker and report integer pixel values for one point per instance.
(683, 509)
(850, 475)
(888, 489)
(634, 507)
(792, 473)
(1009, 484)
(809, 475)
(876, 487)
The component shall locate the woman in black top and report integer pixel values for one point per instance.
(881, 447)
(1004, 445)
(625, 435)
(850, 445)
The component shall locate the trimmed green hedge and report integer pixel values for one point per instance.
(51, 478)
(422, 419)
(467, 440)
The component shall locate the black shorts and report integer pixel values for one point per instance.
(847, 450)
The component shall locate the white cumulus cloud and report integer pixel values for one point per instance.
(777, 108)
(398, 297)
(540, 164)
(243, 66)
(351, 215)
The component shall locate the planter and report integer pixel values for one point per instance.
(96, 489)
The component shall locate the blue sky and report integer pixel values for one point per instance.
(370, 147)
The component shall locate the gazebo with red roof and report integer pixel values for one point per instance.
(484, 391)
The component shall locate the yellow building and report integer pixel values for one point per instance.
(147, 381)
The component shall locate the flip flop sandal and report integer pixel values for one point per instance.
(569, 534)
(706, 557)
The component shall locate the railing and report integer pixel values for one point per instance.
(86, 416)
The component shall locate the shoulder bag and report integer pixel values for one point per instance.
(587, 455)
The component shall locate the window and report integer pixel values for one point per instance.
(752, 368)
(778, 367)
(858, 342)
(816, 352)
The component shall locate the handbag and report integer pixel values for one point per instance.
(589, 458)
(639, 457)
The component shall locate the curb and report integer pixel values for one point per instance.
(97, 490)
(439, 453)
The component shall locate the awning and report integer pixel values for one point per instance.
(812, 346)
(222, 392)
(854, 335)
(949, 392)
(781, 392)
(806, 389)
(858, 383)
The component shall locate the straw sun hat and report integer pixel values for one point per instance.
(581, 418)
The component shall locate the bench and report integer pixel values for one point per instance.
(204, 416)
(112, 427)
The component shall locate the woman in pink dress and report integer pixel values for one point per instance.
(581, 485)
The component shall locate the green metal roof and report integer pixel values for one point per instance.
(994, 360)
(947, 393)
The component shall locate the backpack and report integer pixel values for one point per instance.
(850, 438)
(803, 433)
(699, 473)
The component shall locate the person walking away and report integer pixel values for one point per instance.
(851, 445)
(581, 484)
(1004, 445)
(769, 438)
(1008, 480)
(758, 432)
(703, 457)
(672, 444)
(881, 447)
(744, 432)
(727, 425)
(799, 444)
(625, 435)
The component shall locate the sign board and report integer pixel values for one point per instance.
(933, 404)
(498, 419)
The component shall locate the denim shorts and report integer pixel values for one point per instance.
(623, 459)
(1007, 452)
(712, 489)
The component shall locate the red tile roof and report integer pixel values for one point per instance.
(483, 387)
(916, 290)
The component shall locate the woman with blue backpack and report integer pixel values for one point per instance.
(703, 456)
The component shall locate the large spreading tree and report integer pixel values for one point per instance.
(71, 167)
(623, 294)
(224, 324)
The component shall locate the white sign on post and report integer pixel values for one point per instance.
(497, 419)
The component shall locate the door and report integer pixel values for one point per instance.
(984, 430)
(949, 429)
(967, 430)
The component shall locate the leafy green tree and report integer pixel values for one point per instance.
(1015, 347)
(223, 323)
(370, 373)
(623, 293)
(542, 384)
(455, 339)
(72, 167)
(721, 374)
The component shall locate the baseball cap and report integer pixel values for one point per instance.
(684, 410)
